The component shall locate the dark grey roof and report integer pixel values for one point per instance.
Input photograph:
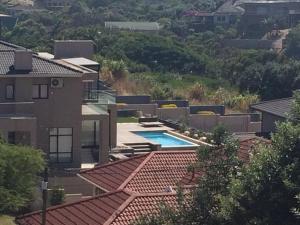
(4, 46)
(278, 107)
(229, 7)
(41, 66)
(240, 2)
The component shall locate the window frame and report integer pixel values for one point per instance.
(40, 91)
(57, 152)
(13, 91)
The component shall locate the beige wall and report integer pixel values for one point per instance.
(235, 123)
(144, 108)
(25, 124)
(181, 114)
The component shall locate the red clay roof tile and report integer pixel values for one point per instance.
(150, 173)
(86, 212)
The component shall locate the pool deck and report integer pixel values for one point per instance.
(125, 135)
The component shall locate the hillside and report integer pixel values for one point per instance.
(179, 61)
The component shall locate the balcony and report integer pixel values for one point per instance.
(8, 109)
(100, 97)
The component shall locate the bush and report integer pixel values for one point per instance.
(197, 92)
(159, 92)
(169, 106)
(57, 196)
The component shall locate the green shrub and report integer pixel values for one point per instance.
(57, 196)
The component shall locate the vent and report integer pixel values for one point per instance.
(57, 82)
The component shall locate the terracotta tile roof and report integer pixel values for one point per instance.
(150, 173)
(247, 146)
(112, 175)
(96, 210)
(115, 208)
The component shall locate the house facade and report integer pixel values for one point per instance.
(272, 112)
(282, 11)
(55, 107)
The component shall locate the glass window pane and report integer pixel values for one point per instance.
(9, 91)
(65, 144)
(64, 157)
(35, 91)
(65, 131)
(53, 144)
(53, 131)
(44, 91)
(53, 157)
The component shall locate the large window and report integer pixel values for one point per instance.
(61, 146)
(39, 91)
(10, 91)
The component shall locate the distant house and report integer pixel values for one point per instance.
(272, 112)
(57, 3)
(227, 13)
(284, 10)
(132, 26)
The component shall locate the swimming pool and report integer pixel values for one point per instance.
(164, 139)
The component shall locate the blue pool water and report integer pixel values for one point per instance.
(165, 139)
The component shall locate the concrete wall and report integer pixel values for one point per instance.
(269, 122)
(179, 114)
(234, 123)
(144, 108)
(203, 122)
(73, 48)
(217, 109)
(134, 99)
(26, 124)
(178, 103)
(61, 109)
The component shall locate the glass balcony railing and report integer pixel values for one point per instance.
(104, 97)
(16, 108)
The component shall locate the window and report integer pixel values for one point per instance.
(10, 92)
(61, 146)
(39, 91)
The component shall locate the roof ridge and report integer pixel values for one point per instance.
(134, 173)
(126, 191)
(135, 195)
(11, 45)
(57, 63)
(121, 208)
(273, 100)
(113, 163)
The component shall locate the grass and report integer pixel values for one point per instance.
(7, 220)
(127, 120)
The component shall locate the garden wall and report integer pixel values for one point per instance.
(133, 99)
(217, 109)
(177, 114)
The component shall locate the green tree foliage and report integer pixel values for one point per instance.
(19, 168)
(263, 191)
(293, 43)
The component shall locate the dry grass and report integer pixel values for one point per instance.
(7, 220)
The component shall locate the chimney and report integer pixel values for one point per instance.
(23, 60)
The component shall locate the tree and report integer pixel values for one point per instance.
(264, 191)
(19, 169)
(293, 43)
